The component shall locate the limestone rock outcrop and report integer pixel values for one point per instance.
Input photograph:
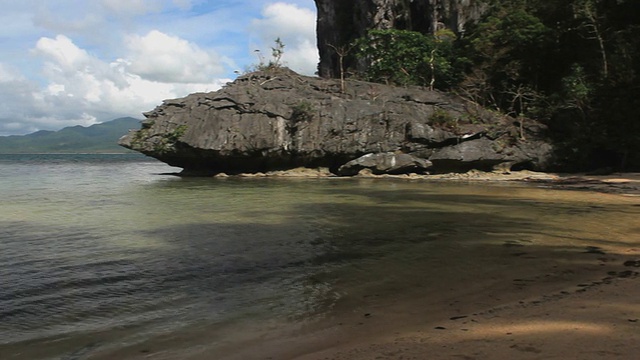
(385, 163)
(279, 120)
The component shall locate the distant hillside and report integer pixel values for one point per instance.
(99, 138)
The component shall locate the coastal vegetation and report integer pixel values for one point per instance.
(572, 64)
(275, 62)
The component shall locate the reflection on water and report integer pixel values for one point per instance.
(102, 254)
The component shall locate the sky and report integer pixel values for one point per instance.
(82, 62)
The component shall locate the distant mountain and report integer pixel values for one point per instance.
(99, 138)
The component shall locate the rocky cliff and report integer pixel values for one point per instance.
(279, 120)
(340, 22)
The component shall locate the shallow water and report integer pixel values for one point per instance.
(100, 253)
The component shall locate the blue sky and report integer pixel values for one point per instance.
(81, 62)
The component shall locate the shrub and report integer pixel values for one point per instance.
(404, 57)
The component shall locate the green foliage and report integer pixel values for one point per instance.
(507, 48)
(277, 51)
(167, 141)
(302, 111)
(573, 63)
(576, 88)
(443, 118)
(410, 58)
(176, 134)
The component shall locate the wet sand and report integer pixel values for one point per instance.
(585, 310)
(616, 183)
(546, 302)
(596, 320)
(574, 307)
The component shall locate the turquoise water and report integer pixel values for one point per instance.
(100, 253)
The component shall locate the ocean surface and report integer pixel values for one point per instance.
(104, 253)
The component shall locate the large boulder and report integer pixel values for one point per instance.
(280, 120)
(385, 163)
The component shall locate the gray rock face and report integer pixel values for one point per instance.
(385, 163)
(342, 21)
(280, 120)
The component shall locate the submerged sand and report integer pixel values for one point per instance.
(596, 316)
(580, 308)
(597, 320)
(541, 303)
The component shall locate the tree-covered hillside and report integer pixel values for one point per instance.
(574, 64)
(99, 138)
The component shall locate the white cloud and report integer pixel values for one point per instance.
(8, 74)
(66, 56)
(296, 27)
(284, 18)
(69, 62)
(83, 89)
(160, 57)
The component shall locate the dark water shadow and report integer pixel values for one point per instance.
(293, 268)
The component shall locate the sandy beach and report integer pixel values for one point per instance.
(574, 306)
(595, 318)
(588, 310)
(546, 274)
(616, 183)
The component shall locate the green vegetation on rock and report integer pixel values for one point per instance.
(572, 64)
(402, 57)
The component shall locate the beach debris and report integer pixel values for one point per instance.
(594, 250)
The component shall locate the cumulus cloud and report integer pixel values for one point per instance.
(296, 27)
(160, 57)
(69, 62)
(84, 89)
(8, 74)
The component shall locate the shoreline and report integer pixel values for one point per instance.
(509, 296)
(591, 315)
(627, 184)
(578, 304)
(582, 308)
(594, 322)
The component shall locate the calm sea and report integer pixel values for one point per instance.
(104, 253)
